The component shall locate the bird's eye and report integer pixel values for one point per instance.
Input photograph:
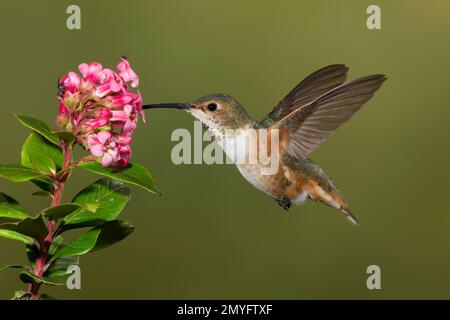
(212, 107)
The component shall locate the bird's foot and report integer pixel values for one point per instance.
(285, 203)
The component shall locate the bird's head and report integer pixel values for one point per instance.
(218, 111)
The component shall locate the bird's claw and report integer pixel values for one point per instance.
(285, 203)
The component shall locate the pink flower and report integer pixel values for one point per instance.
(93, 124)
(100, 110)
(102, 113)
(127, 73)
(110, 84)
(119, 99)
(70, 82)
(127, 117)
(62, 119)
(138, 106)
(103, 147)
(124, 156)
(63, 109)
(110, 149)
(124, 149)
(94, 119)
(92, 72)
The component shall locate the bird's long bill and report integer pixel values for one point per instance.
(168, 105)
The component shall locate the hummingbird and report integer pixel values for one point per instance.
(305, 118)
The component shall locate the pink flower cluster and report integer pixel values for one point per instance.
(100, 110)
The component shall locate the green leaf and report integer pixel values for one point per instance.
(84, 244)
(17, 173)
(42, 193)
(13, 266)
(101, 201)
(112, 232)
(12, 235)
(8, 214)
(5, 199)
(134, 174)
(32, 252)
(38, 126)
(44, 164)
(46, 296)
(21, 295)
(10, 209)
(66, 136)
(35, 146)
(28, 277)
(45, 185)
(29, 227)
(56, 245)
(60, 211)
(97, 238)
(38, 153)
(58, 266)
(58, 269)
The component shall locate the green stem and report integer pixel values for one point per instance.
(41, 260)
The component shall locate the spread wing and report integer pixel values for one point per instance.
(312, 87)
(312, 124)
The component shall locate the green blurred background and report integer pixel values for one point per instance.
(212, 235)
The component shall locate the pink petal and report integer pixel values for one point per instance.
(91, 140)
(74, 78)
(128, 109)
(102, 113)
(120, 100)
(102, 90)
(92, 72)
(121, 163)
(129, 126)
(127, 73)
(123, 139)
(100, 122)
(71, 82)
(109, 84)
(103, 136)
(63, 108)
(114, 153)
(97, 150)
(83, 68)
(123, 65)
(106, 160)
(138, 106)
(89, 69)
(125, 152)
(119, 115)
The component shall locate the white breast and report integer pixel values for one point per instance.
(252, 173)
(239, 149)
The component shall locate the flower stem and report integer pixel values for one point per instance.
(59, 184)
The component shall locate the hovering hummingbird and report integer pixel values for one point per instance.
(305, 118)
